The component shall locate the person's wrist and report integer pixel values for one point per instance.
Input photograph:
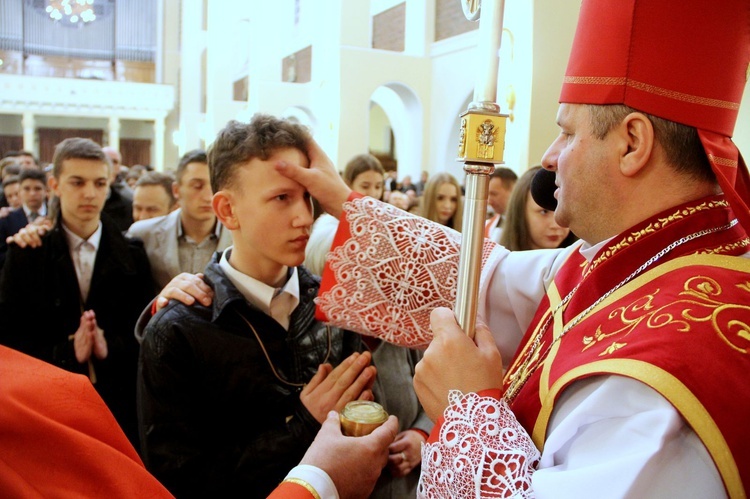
(421, 432)
(305, 485)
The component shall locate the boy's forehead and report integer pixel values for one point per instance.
(196, 169)
(84, 166)
(32, 181)
(262, 173)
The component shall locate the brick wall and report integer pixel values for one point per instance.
(388, 29)
(450, 20)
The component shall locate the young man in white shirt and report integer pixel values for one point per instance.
(73, 301)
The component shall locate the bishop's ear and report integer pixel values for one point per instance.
(222, 205)
(638, 132)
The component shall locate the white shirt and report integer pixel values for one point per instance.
(278, 303)
(636, 445)
(321, 239)
(41, 212)
(83, 254)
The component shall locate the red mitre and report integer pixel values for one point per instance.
(682, 60)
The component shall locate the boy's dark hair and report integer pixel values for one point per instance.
(239, 143)
(11, 168)
(10, 180)
(77, 148)
(507, 176)
(163, 180)
(32, 174)
(194, 156)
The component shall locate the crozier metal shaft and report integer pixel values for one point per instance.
(482, 141)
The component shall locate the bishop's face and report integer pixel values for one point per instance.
(585, 167)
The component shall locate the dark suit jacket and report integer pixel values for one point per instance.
(119, 206)
(15, 221)
(41, 306)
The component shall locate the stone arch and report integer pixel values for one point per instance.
(404, 111)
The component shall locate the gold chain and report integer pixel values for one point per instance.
(268, 358)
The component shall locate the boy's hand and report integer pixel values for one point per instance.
(321, 180)
(331, 389)
(31, 235)
(185, 288)
(85, 336)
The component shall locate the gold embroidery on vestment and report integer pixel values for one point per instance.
(744, 243)
(653, 227)
(700, 301)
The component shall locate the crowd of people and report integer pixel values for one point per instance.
(177, 338)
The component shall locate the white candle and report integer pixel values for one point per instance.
(490, 33)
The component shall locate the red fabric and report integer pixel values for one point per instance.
(289, 490)
(489, 225)
(58, 439)
(328, 280)
(681, 60)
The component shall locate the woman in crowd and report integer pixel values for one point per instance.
(442, 201)
(527, 225)
(364, 174)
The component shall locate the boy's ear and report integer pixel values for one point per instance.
(52, 184)
(222, 205)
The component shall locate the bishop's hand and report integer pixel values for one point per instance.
(453, 361)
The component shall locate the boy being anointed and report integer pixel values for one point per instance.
(231, 395)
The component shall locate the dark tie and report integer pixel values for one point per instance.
(32, 216)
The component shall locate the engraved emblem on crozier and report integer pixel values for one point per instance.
(486, 136)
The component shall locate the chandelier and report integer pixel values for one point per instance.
(74, 11)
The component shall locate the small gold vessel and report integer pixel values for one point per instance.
(361, 417)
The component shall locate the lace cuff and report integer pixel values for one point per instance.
(481, 452)
(388, 269)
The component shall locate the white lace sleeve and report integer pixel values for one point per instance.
(393, 270)
(482, 452)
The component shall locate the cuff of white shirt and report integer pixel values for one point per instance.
(317, 479)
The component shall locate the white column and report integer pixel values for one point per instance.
(420, 27)
(193, 43)
(113, 128)
(157, 153)
(29, 131)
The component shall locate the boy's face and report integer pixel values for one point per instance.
(33, 193)
(274, 216)
(82, 188)
(11, 192)
(194, 192)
